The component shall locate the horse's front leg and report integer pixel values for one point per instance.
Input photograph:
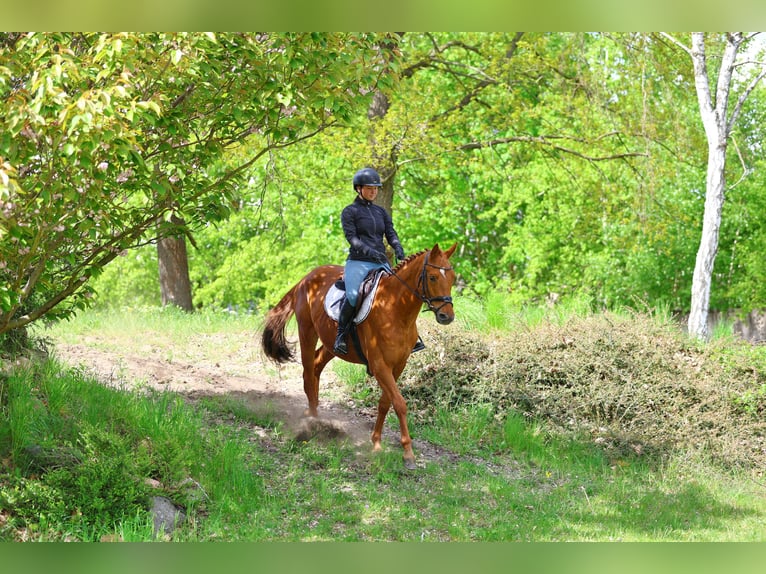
(392, 396)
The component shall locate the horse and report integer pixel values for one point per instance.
(386, 337)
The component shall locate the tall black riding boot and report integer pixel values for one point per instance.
(344, 320)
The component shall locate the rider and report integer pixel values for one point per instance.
(364, 225)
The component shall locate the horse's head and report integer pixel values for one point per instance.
(436, 283)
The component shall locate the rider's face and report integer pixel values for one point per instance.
(369, 192)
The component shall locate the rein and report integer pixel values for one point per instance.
(424, 296)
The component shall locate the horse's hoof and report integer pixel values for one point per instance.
(410, 464)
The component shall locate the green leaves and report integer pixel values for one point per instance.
(560, 162)
(104, 134)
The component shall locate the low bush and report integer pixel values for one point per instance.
(634, 384)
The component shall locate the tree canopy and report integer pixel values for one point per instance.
(562, 163)
(105, 136)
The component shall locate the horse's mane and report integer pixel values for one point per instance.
(407, 259)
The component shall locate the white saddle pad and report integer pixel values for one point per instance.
(334, 299)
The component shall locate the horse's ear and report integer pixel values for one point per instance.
(436, 250)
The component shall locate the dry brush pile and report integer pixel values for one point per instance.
(631, 383)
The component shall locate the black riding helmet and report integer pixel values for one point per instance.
(366, 176)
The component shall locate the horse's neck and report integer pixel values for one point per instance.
(405, 285)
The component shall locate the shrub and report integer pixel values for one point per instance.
(632, 383)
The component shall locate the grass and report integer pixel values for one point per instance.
(164, 328)
(79, 460)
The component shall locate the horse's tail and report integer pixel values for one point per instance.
(273, 340)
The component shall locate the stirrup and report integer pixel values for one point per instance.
(419, 346)
(340, 347)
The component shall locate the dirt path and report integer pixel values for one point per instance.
(225, 365)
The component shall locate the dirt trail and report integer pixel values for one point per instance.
(222, 365)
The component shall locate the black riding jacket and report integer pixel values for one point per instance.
(364, 225)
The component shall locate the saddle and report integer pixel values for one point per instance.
(334, 298)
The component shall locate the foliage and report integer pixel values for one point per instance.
(105, 136)
(524, 215)
(130, 280)
(563, 164)
(740, 272)
(289, 224)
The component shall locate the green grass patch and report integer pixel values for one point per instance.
(81, 458)
(360, 386)
(123, 326)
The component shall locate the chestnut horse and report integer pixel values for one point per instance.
(386, 336)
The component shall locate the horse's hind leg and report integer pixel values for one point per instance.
(384, 404)
(310, 379)
(321, 357)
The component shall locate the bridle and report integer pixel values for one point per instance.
(421, 291)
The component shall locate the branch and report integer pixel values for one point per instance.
(678, 43)
(702, 87)
(545, 140)
(179, 100)
(102, 255)
(467, 99)
(514, 44)
(428, 61)
(72, 286)
(743, 96)
(482, 79)
(723, 89)
(742, 163)
(271, 146)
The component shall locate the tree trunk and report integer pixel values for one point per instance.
(385, 163)
(175, 285)
(708, 248)
(716, 123)
(385, 197)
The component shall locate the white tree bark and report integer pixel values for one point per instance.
(708, 248)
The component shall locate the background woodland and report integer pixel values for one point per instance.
(563, 164)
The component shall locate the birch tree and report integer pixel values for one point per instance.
(718, 120)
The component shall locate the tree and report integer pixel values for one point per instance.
(173, 263)
(108, 140)
(718, 121)
(563, 163)
(509, 100)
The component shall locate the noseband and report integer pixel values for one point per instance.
(444, 300)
